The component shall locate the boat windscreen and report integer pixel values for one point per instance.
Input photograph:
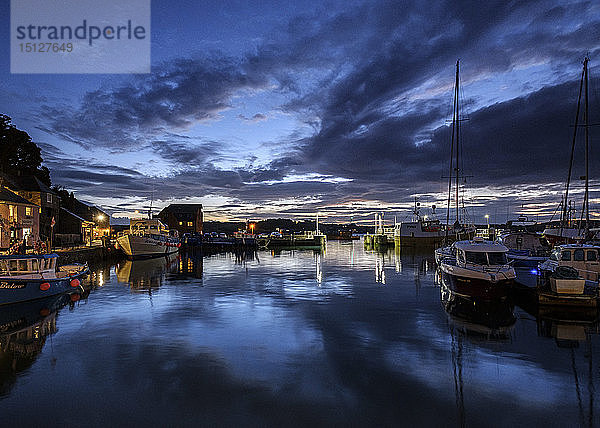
(480, 258)
(497, 258)
(476, 257)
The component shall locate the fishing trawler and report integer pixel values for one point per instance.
(421, 232)
(25, 277)
(148, 238)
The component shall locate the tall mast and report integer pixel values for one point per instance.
(586, 202)
(454, 126)
(565, 214)
(456, 106)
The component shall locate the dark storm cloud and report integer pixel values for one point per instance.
(186, 153)
(175, 96)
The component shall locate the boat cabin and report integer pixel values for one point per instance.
(148, 226)
(584, 258)
(479, 252)
(28, 266)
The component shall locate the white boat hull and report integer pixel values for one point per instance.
(136, 246)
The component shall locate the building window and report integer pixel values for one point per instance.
(28, 211)
(180, 223)
(11, 211)
(49, 198)
(190, 224)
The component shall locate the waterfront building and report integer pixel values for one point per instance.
(19, 219)
(185, 218)
(33, 190)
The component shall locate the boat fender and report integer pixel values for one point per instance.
(75, 297)
(75, 283)
(45, 286)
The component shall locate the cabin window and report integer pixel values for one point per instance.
(13, 265)
(578, 255)
(461, 256)
(23, 265)
(476, 257)
(497, 258)
(592, 256)
(3, 267)
(565, 256)
(34, 265)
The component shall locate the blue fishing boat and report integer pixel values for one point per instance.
(25, 277)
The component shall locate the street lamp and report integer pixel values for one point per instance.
(487, 220)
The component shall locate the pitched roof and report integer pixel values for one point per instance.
(8, 196)
(182, 208)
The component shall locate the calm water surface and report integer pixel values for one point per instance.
(343, 337)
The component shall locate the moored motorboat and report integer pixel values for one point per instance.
(35, 276)
(148, 238)
(477, 268)
(525, 249)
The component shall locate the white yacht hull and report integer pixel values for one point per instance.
(136, 246)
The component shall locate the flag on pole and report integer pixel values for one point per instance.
(52, 223)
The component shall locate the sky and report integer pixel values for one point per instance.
(264, 109)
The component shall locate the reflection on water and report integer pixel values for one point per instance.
(477, 318)
(148, 274)
(24, 328)
(296, 337)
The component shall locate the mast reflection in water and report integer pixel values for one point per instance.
(299, 338)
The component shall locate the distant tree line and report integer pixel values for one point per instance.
(283, 225)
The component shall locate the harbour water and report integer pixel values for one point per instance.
(340, 337)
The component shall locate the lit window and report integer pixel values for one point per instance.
(49, 197)
(190, 224)
(180, 223)
(28, 211)
(11, 210)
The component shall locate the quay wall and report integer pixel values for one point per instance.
(87, 254)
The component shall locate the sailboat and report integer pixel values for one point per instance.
(459, 230)
(572, 231)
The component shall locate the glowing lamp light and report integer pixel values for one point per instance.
(45, 286)
(534, 271)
